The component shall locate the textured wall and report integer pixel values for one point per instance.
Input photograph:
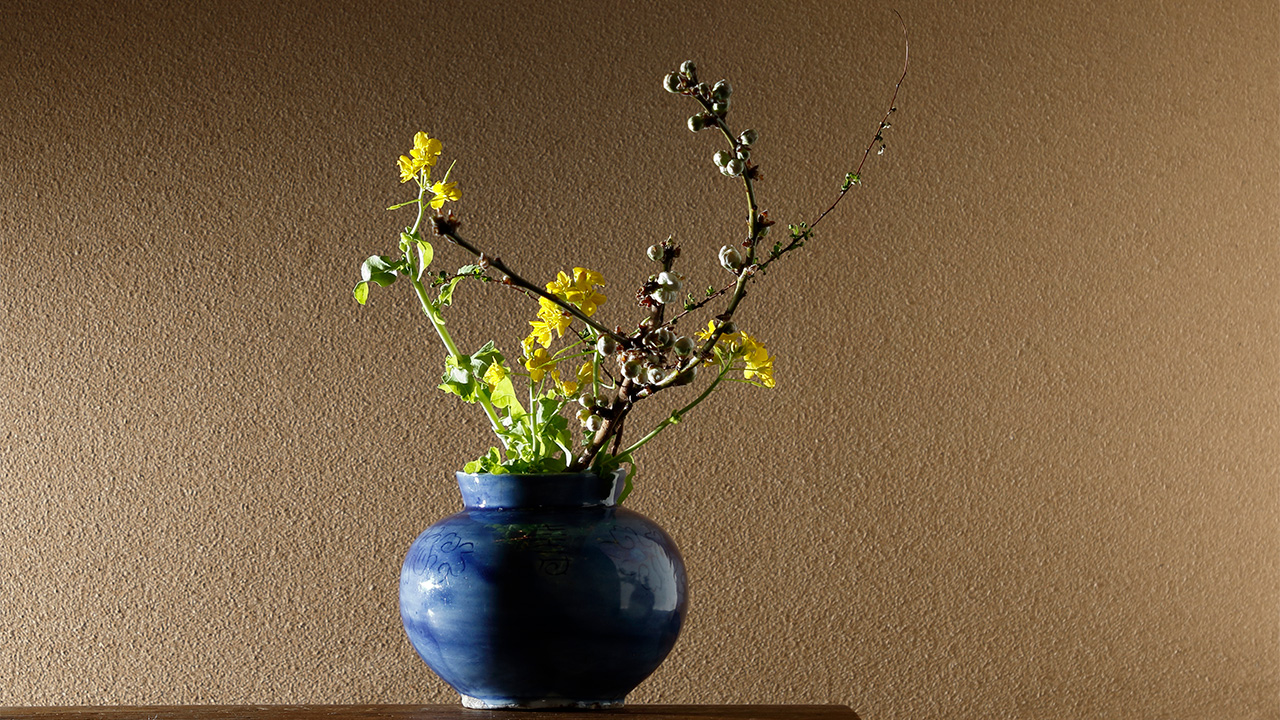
(1021, 460)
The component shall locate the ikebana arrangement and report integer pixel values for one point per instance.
(582, 376)
(543, 592)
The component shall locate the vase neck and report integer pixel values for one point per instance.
(484, 491)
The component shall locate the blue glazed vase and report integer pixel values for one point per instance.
(543, 593)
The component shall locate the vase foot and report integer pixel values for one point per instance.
(541, 704)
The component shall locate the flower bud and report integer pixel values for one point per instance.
(655, 376)
(743, 154)
(703, 90)
(606, 345)
(748, 137)
(733, 167)
(683, 346)
(721, 157)
(697, 122)
(662, 339)
(665, 296)
(688, 69)
(654, 252)
(669, 281)
(587, 400)
(729, 328)
(594, 423)
(671, 83)
(686, 375)
(720, 107)
(721, 90)
(631, 369)
(730, 258)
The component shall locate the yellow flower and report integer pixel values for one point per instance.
(740, 345)
(539, 364)
(494, 375)
(759, 364)
(579, 289)
(582, 381)
(551, 314)
(444, 191)
(551, 322)
(423, 155)
(727, 342)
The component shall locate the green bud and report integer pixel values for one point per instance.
(721, 90)
(733, 167)
(748, 137)
(671, 83)
(721, 157)
(720, 107)
(654, 252)
(683, 346)
(697, 122)
(689, 70)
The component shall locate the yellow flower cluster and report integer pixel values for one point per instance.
(579, 289)
(551, 319)
(541, 364)
(423, 155)
(739, 345)
(417, 165)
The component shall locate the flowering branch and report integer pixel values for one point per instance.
(447, 227)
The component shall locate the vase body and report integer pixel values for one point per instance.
(542, 593)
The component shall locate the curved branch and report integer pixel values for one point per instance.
(448, 230)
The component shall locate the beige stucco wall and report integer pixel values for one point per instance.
(1021, 460)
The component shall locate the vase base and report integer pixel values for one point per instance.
(540, 704)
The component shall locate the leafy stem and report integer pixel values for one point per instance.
(437, 322)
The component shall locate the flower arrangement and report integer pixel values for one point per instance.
(582, 377)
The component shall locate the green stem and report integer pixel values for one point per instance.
(677, 414)
(437, 322)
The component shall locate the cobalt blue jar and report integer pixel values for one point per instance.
(543, 593)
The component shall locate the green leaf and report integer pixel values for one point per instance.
(607, 464)
(362, 292)
(627, 487)
(458, 378)
(490, 462)
(503, 394)
(379, 269)
(425, 255)
(446, 291)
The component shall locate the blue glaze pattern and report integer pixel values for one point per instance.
(543, 593)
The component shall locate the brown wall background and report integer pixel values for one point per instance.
(1021, 460)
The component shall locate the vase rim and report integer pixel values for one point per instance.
(486, 491)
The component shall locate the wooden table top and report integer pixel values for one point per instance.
(426, 712)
